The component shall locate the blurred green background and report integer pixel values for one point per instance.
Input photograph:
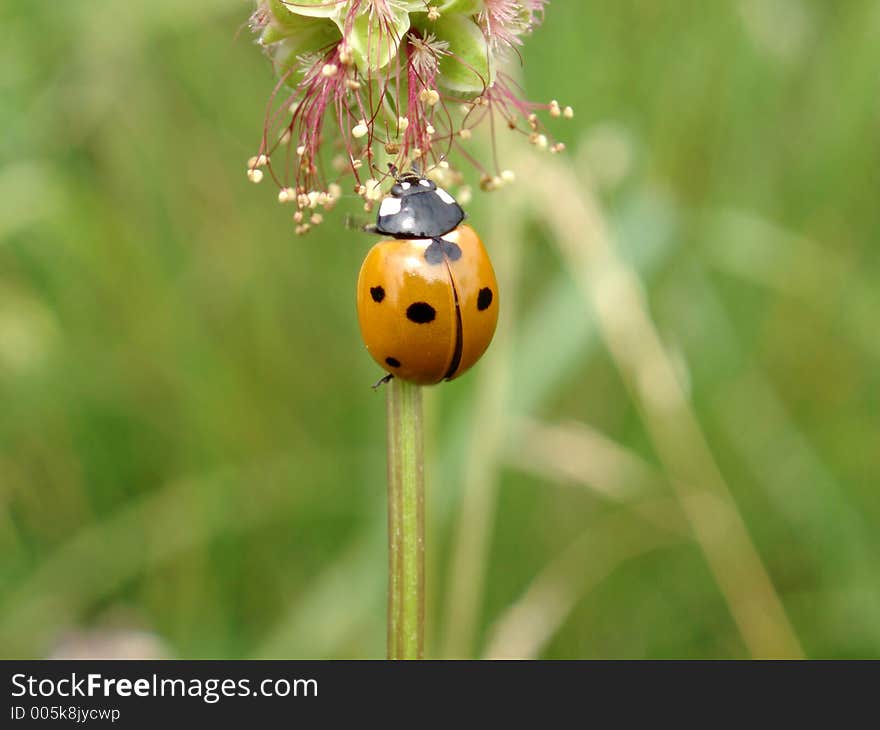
(672, 449)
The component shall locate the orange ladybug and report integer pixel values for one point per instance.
(427, 305)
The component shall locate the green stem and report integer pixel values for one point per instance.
(406, 522)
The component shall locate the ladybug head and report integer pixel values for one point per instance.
(410, 183)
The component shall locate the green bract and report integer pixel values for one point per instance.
(466, 67)
(298, 35)
(466, 7)
(412, 6)
(312, 8)
(374, 43)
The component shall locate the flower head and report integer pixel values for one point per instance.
(368, 84)
(505, 22)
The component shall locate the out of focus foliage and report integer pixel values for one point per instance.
(189, 445)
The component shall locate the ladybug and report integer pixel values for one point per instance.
(427, 299)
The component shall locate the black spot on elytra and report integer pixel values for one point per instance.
(378, 293)
(434, 252)
(452, 250)
(484, 298)
(440, 249)
(393, 362)
(420, 313)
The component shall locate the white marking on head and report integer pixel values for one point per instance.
(444, 196)
(424, 183)
(408, 222)
(390, 206)
(405, 185)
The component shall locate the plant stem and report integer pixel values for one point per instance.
(406, 522)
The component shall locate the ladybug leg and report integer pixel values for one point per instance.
(353, 224)
(379, 383)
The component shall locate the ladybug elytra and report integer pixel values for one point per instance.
(427, 299)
